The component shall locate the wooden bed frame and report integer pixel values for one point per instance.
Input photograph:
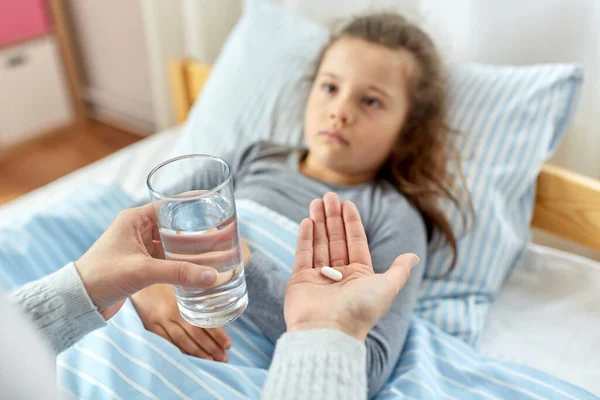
(567, 204)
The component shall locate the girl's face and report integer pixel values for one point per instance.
(357, 106)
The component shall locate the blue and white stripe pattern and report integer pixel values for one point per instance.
(511, 121)
(44, 241)
(124, 361)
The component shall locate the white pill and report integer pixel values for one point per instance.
(331, 273)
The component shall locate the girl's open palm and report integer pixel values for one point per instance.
(334, 236)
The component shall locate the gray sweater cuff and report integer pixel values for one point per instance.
(60, 307)
(317, 364)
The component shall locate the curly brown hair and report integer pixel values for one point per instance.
(418, 165)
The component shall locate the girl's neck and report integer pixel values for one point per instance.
(311, 168)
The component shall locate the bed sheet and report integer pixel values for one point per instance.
(545, 316)
(125, 361)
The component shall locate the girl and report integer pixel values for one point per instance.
(376, 134)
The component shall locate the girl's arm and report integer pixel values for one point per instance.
(266, 292)
(402, 231)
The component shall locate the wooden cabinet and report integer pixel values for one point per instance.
(112, 48)
(39, 80)
(34, 98)
(22, 19)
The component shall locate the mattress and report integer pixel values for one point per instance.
(546, 315)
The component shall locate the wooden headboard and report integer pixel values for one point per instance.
(567, 204)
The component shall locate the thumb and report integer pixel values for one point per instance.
(182, 273)
(399, 272)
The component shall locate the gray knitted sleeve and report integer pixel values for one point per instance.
(317, 364)
(60, 307)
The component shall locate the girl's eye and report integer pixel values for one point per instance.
(372, 102)
(329, 88)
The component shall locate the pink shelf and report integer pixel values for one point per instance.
(22, 19)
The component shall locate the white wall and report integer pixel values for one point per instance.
(163, 25)
(182, 28)
(112, 46)
(207, 24)
(534, 31)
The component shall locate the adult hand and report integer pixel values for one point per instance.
(129, 257)
(335, 236)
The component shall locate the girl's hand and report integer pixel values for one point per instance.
(334, 236)
(246, 252)
(157, 307)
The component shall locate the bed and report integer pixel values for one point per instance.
(551, 290)
(569, 348)
(545, 318)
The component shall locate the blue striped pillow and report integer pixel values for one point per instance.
(512, 119)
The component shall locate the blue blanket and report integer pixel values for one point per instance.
(124, 361)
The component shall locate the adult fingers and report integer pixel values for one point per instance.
(320, 240)
(157, 250)
(338, 250)
(174, 272)
(399, 272)
(304, 246)
(356, 238)
(142, 218)
(209, 241)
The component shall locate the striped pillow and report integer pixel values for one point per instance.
(512, 119)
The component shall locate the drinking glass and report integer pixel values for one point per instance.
(195, 207)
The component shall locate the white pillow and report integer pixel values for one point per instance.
(258, 86)
(512, 119)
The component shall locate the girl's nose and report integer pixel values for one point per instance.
(342, 113)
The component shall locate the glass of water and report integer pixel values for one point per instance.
(194, 202)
